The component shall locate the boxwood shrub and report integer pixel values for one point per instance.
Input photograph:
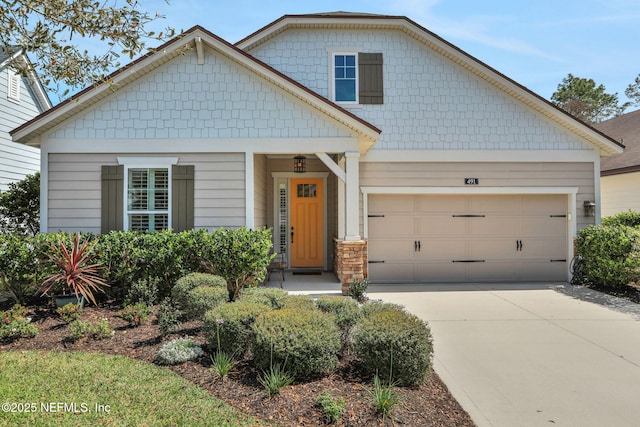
(275, 296)
(396, 345)
(345, 310)
(231, 323)
(304, 302)
(193, 305)
(376, 306)
(202, 299)
(304, 342)
(629, 218)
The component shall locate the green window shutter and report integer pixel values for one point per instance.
(112, 211)
(182, 197)
(370, 74)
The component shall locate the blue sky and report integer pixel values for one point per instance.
(535, 42)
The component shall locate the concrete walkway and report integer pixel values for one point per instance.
(531, 355)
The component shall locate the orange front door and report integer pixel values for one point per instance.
(307, 222)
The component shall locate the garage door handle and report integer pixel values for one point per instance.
(419, 246)
(415, 246)
(468, 260)
(518, 245)
(468, 216)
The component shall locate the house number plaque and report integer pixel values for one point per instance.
(471, 181)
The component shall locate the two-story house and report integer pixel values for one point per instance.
(21, 99)
(369, 144)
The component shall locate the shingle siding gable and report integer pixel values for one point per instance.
(430, 103)
(186, 100)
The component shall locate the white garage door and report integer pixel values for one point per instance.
(426, 238)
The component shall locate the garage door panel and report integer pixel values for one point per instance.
(543, 226)
(492, 249)
(392, 226)
(546, 249)
(543, 271)
(492, 204)
(551, 204)
(392, 272)
(494, 225)
(391, 203)
(440, 204)
(391, 249)
(442, 249)
(445, 271)
(493, 271)
(440, 225)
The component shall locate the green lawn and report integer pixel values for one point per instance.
(104, 391)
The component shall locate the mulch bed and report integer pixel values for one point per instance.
(431, 404)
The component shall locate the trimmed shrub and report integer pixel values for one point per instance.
(629, 218)
(14, 324)
(202, 299)
(242, 257)
(376, 306)
(346, 311)
(275, 296)
(99, 331)
(178, 351)
(303, 342)
(303, 302)
(394, 343)
(145, 291)
(610, 254)
(230, 323)
(168, 317)
(184, 285)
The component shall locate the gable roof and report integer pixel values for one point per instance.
(15, 53)
(626, 129)
(354, 20)
(191, 40)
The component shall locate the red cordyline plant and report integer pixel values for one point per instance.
(77, 274)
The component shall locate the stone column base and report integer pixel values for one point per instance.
(350, 261)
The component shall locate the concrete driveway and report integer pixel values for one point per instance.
(532, 355)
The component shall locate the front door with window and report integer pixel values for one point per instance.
(306, 234)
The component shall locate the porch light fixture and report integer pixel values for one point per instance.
(299, 164)
(589, 208)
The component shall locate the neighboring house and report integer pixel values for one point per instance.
(21, 99)
(422, 163)
(620, 175)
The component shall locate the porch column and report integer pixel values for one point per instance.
(341, 200)
(352, 204)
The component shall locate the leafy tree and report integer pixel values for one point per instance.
(633, 91)
(48, 30)
(581, 98)
(20, 206)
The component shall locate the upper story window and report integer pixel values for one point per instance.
(356, 78)
(346, 78)
(13, 86)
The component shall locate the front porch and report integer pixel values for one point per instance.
(314, 212)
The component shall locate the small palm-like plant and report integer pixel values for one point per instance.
(77, 273)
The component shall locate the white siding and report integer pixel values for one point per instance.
(75, 186)
(620, 193)
(184, 100)
(429, 102)
(16, 160)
